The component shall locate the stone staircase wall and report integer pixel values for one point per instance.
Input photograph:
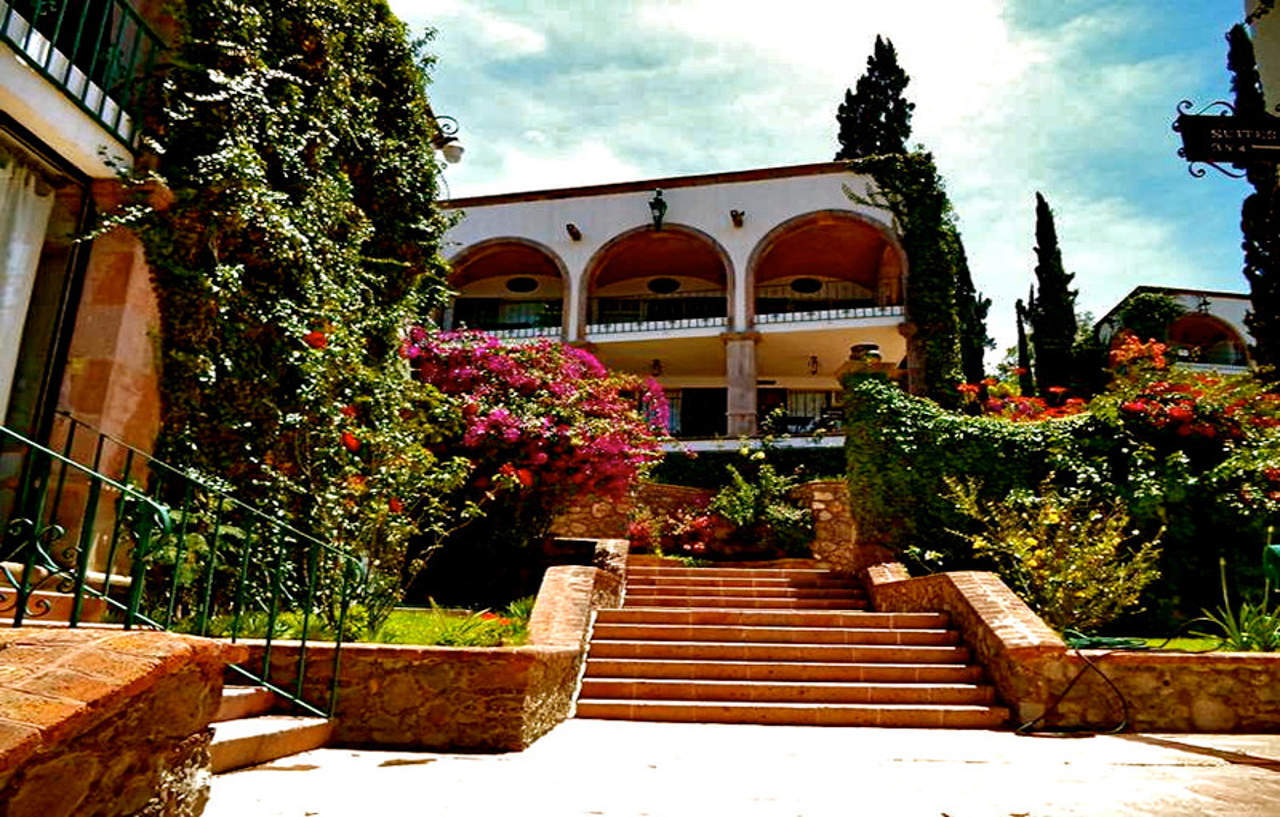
(473, 698)
(1031, 666)
(106, 722)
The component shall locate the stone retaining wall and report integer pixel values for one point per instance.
(106, 723)
(834, 540)
(471, 698)
(1031, 666)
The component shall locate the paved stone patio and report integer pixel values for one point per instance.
(592, 767)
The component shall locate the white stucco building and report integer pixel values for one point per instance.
(1211, 332)
(745, 300)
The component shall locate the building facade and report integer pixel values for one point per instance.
(76, 316)
(1210, 332)
(741, 293)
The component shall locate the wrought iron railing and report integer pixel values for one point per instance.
(98, 52)
(99, 533)
(836, 313)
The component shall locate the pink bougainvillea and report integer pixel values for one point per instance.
(540, 416)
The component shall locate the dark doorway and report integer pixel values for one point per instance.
(702, 412)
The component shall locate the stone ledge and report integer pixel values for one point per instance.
(55, 684)
(472, 698)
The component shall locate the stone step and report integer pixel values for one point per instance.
(950, 716)
(771, 618)
(728, 572)
(250, 741)
(745, 602)
(784, 692)
(884, 672)
(758, 634)
(244, 702)
(745, 651)
(740, 581)
(682, 591)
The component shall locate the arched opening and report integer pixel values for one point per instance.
(1201, 338)
(509, 286)
(676, 277)
(826, 265)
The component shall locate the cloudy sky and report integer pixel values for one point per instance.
(1070, 97)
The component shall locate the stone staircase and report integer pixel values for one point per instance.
(245, 733)
(778, 646)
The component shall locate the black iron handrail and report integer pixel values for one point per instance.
(211, 565)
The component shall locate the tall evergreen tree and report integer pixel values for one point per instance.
(1026, 380)
(971, 309)
(876, 119)
(1052, 312)
(1260, 213)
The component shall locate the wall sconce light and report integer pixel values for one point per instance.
(446, 139)
(573, 231)
(658, 208)
(813, 364)
(737, 217)
(655, 368)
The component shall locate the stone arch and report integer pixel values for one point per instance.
(477, 269)
(706, 256)
(872, 242)
(1211, 339)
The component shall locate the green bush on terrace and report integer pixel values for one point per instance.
(1198, 456)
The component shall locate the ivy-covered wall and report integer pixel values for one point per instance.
(1212, 503)
(298, 239)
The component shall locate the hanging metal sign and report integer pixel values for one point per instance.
(1225, 137)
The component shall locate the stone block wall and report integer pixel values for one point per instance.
(1007, 638)
(594, 517)
(470, 698)
(835, 535)
(1031, 667)
(106, 724)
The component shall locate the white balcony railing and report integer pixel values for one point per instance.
(839, 314)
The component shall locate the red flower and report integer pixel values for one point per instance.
(348, 411)
(1057, 389)
(395, 505)
(350, 442)
(1021, 370)
(315, 339)
(525, 476)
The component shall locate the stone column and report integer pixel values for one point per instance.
(740, 379)
(915, 362)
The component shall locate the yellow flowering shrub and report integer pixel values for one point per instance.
(1073, 557)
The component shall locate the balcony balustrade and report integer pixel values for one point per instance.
(832, 300)
(507, 319)
(98, 52)
(649, 313)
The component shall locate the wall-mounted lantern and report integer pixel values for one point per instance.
(737, 217)
(814, 365)
(655, 368)
(573, 231)
(658, 208)
(446, 138)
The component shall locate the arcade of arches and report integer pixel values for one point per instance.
(731, 344)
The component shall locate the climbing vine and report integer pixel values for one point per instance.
(939, 303)
(300, 239)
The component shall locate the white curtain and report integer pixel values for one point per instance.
(25, 203)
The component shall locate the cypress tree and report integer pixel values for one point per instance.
(876, 119)
(1026, 381)
(1053, 313)
(1260, 213)
(971, 309)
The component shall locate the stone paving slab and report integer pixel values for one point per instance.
(618, 769)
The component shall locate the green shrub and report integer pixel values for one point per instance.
(1250, 627)
(765, 517)
(1071, 556)
(1182, 451)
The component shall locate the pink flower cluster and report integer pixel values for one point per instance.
(541, 416)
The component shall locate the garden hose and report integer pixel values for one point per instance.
(1079, 642)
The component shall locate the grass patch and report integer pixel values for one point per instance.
(1188, 644)
(458, 628)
